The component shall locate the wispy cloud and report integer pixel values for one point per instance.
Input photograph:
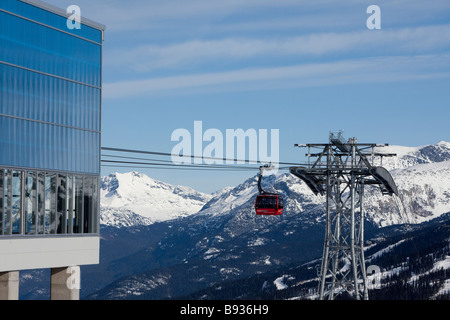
(124, 16)
(238, 45)
(366, 43)
(147, 14)
(356, 71)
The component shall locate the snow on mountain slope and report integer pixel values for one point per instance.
(120, 217)
(410, 156)
(424, 193)
(136, 198)
(422, 175)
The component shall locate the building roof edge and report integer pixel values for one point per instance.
(61, 12)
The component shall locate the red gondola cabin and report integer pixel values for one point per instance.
(269, 205)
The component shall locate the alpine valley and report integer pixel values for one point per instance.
(165, 242)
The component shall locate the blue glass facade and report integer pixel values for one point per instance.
(50, 121)
(50, 91)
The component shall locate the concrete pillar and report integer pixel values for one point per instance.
(65, 283)
(9, 285)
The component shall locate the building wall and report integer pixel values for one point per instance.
(50, 137)
(50, 91)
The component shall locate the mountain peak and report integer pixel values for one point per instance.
(411, 156)
(137, 174)
(156, 200)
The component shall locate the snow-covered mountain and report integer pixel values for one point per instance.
(422, 175)
(411, 156)
(134, 198)
(424, 194)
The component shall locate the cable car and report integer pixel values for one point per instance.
(268, 204)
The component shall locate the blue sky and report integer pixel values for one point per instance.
(303, 67)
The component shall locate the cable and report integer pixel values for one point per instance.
(136, 158)
(176, 168)
(180, 165)
(170, 163)
(189, 156)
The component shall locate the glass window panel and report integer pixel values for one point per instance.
(2, 197)
(70, 203)
(61, 212)
(50, 203)
(43, 146)
(78, 212)
(40, 191)
(49, 18)
(24, 43)
(8, 203)
(37, 203)
(31, 95)
(95, 210)
(30, 210)
(88, 205)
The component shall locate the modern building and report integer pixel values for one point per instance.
(50, 143)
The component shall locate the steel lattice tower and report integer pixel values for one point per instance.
(340, 172)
